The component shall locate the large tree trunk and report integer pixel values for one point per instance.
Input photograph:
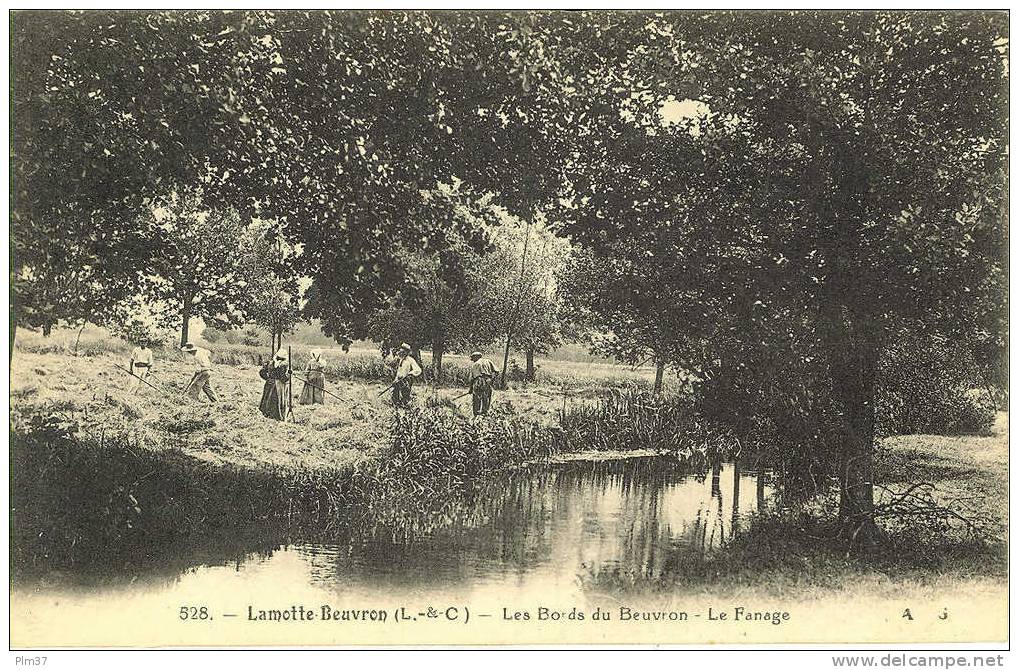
(853, 362)
(47, 328)
(185, 310)
(438, 349)
(659, 373)
(529, 372)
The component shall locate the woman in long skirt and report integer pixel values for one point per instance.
(314, 381)
(274, 394)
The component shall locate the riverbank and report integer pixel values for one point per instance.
(110, 474)
(799, 552)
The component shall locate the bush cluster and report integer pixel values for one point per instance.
(932, 387)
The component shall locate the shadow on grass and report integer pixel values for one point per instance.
(799, 552)
(911, 465)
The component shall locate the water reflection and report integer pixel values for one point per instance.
(538, 528)
(548, 525)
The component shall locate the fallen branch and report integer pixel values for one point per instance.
(918, 502)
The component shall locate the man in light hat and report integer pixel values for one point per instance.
(203, 372)
(406, 373)
(482, 375)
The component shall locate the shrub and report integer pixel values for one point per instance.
(931, 386)
(212, 335)
(252, 337)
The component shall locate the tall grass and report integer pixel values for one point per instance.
(354, 366)
(357, 365)
(637, 419)
(437, 462)
(372, 367)
(103, 500)
(93, 342)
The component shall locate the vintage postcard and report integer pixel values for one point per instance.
(383, 327)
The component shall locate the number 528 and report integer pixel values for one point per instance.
(188, 613)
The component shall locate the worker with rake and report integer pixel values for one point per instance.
(314, 381)
(407, 373)
(482, 374)
(203, 373)
(140, 365)
(276, 373)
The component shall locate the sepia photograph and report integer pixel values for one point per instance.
(393, 328)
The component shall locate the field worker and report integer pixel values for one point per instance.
(276, 374)
(406, 373)
(313, 392)
(141, 364)
(482, 376)
(203, 372)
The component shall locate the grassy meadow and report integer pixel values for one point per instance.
(115, 474)
(87, 388)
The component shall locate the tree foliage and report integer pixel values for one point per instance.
(444, 301)
(204, 266)
(847, 164)
(522, 276)
(63, 272)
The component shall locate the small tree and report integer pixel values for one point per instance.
(522, 276)
(60, 271)
(275, 308)
(630, 304)
(204, 266)
(45, 296)
(437, 294)
(275, 293)
(438, 306)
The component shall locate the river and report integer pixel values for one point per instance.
(547, 530)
